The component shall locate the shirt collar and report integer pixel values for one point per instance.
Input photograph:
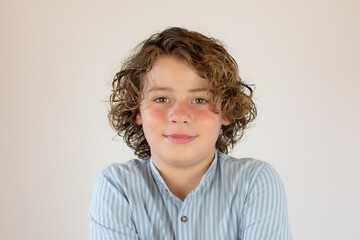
(209, 174)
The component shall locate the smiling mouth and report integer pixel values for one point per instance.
(180, 138)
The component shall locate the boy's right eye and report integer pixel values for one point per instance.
(161, 100)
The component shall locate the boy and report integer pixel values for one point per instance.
(179, 104)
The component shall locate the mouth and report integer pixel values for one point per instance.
(180, 138)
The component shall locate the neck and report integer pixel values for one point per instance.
(181, 180)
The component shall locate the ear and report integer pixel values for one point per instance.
(138, 119)
(225, 122)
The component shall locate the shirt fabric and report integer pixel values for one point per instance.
(236, 199)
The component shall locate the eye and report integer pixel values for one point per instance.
(161, 100)
(200, 101)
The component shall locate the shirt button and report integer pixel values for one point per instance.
(167, 191)
(184, 219)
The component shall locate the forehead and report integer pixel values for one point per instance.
(170, 71)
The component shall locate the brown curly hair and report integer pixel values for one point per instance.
(209, 57)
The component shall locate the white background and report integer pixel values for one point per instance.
(57, 60)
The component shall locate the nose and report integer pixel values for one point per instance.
(180, 114)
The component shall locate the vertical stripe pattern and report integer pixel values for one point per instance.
(236, 199)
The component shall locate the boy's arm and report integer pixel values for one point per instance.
(264, 215)
(109, 213)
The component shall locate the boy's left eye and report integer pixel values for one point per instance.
(200, 101)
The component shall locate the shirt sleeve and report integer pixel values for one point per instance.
(109, 212)
(264, 215)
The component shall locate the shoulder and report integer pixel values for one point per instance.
(248, 170)
(128, 166)
(126, 172)
(245, 165)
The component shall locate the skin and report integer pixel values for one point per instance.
(179, 123)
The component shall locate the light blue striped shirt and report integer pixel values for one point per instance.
(236, 199)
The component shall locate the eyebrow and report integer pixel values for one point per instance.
(171, 89)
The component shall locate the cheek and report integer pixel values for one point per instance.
(153, 117)
(208, 120)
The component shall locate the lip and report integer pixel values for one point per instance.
(180, 138)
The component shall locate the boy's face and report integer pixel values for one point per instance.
(177, 116)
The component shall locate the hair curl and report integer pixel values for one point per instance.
(209, 57)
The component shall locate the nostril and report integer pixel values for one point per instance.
(182, 121)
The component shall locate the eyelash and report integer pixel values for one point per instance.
(196, 100)
(203, 100)
(161, 99)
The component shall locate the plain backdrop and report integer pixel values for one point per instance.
(57, 60)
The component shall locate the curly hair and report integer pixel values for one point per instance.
(209, 57)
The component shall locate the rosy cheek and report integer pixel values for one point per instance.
(207, 118)
(155, 114)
